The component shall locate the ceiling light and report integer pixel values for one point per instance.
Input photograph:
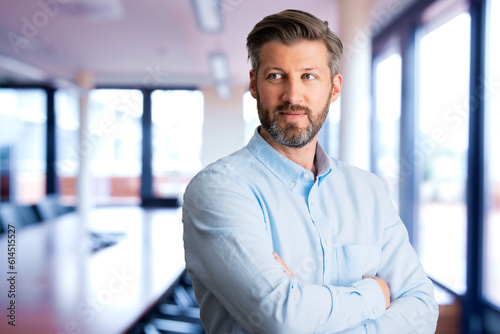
(93, 10)
(219, 69)
(22, 69)
(208, 15)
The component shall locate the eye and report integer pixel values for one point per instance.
(275, 76)
(309, 76)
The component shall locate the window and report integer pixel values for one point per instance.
(441, 149)
(387, 121)
(113, 143)
(492, 130)
(441, 203)
(250, 116)
(329, 135)
(177, 117)
(67, 148)
(22, 144)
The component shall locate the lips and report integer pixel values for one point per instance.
(292, 113)
(293, 109)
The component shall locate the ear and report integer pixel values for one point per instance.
(337, 87)
(252, 84)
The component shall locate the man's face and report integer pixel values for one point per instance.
(294, 89)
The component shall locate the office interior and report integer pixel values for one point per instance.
(109, 108)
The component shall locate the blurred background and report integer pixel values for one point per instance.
(119, 103)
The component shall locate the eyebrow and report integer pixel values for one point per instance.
(276, 68)
(310, 68)
(267, 69)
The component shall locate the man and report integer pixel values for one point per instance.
(281, 238)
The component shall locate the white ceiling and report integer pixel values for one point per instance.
(133, 43)
(138, 43)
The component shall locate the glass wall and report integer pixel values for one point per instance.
(177, 131)
(250, 116)
(331, 139)
(387, 121)
(23, 144)
(67, 150)
(113, 143)
(441, 148)
(492, 131)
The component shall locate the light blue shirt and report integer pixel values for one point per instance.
(330, 232)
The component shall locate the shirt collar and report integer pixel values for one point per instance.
(283, 168)
(323, 162)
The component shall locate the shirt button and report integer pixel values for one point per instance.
(305, 175)
(350, 320)
(375, 310)
(312, 202)
(291, 184)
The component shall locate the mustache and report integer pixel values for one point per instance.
(292, 107)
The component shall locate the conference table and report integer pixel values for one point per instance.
(55, 281)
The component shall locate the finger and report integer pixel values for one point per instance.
(280, 261)
(288, 272)
(384, 287)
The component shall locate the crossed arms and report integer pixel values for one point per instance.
(229, 256)
(381, 283)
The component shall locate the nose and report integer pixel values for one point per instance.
(292, 91)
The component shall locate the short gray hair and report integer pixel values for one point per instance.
(288, 27)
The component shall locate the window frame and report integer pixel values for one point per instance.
(478, 315)
(148, 197)
(50, 124)
(146, 192)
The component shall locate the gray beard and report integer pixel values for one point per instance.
(286, 137)
(291, 135)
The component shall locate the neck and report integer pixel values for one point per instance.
(303, 156)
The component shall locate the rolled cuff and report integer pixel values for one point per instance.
(373, 299)
(355, 304)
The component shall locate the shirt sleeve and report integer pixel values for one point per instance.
(229, 249)
(413, 307)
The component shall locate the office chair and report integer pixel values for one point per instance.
(178, 313)
(49, 208)
(19, 216)
(28, 214)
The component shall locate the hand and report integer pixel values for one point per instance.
(385, 289)
(280, 260)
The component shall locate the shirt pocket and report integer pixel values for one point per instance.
(356, 261)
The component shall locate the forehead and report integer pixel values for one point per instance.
(301, 54)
